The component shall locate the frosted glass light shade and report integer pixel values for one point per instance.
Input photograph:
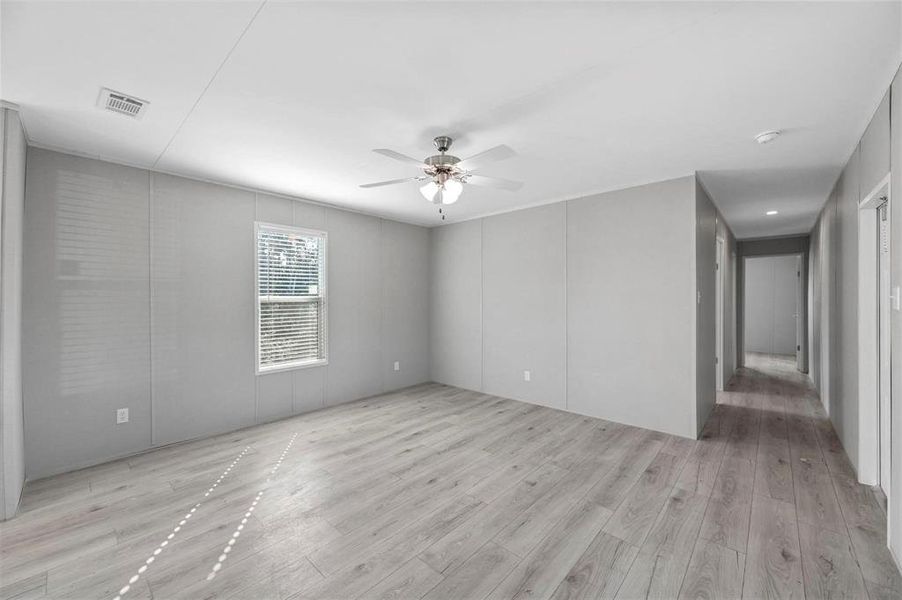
(429, 191)
(452, 191)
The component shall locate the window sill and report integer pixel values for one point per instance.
(292, 366)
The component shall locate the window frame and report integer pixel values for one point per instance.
(324, 294)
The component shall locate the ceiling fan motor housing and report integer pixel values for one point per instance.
(442, 143)
(442, 161)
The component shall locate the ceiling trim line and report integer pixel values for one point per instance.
(234, 186)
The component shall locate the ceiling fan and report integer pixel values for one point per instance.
(445, 174)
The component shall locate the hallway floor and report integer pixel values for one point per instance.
(441, 493)
(785, 472)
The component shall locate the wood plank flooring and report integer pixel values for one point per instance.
(439, 493)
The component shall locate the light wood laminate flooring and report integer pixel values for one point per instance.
(435, 492)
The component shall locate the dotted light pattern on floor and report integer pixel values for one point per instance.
(177, 528)
(247, 515)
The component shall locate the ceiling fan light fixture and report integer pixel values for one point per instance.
(446, 173)
(429, 191)
(442, 193)
(451, 192)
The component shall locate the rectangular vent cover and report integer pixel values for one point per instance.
(123, 104)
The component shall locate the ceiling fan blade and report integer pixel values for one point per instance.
(399, 156)
(392, 182)
(491, 155)
(495, 182)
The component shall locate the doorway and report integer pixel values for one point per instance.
(772, 308)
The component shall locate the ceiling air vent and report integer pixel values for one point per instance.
(123, 104)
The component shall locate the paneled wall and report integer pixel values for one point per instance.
(12, 197)
(139, 293)
(595, 297)
(834, 264)
(705, 305)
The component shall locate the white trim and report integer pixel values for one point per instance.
(720, 247)
(304, 364)
(871, 200)
(890, 548)
(292, 366)
(289, 229)
(868, 352)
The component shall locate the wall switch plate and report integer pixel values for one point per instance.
(121, 416)
(397, 365)
(896, 298)
(527, 375)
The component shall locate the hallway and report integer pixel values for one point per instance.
(785, 489)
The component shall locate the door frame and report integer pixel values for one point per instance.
(720, 247)
(868, 334)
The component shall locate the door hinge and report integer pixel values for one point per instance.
(798, 347)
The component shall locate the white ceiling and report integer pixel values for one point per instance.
(292, 96)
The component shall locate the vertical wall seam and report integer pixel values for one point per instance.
(482, 304)
(150, 230)
(566, 312)
(382, 304)
(325, 373)
(256, 302)
(294, 409)
(430, 311)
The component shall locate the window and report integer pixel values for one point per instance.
(291, 297)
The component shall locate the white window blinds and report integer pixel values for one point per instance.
(291, 297)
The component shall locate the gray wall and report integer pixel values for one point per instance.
(834, 265)
(594, 296)
(12, 197)
(771, 288)
(895, 500)
(139, 294)
(455, 283)
(706, 305)
(524, 305)
(728, 266)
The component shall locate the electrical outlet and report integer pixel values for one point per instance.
(397, 365)
(527, 375)
(121, 416)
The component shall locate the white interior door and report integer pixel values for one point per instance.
(786, 305)
(884, 346)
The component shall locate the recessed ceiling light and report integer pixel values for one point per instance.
(771, 213)
(766, 136)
